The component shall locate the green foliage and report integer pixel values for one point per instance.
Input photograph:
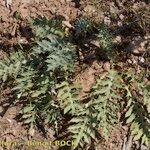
(100, 112)
(68, 95)
(82, 27)
(35, 73)
(105, 38)
(144, 88)
(43, 82)
(29, 114)
(105, 95)
(138, 114)
(84, 126)
(138, 118)
(10, 67)
(24, 82)
(60, 54)
(106, 41)
(44, 28)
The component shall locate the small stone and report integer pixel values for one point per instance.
(143, 44)
(121, 16)
(129, 61)
(134, 61)
(136, 51)
(67, 24)
(9, 120)
(113, 8)
(23, 41)
(68, 1)
(106, 66)
(8, 3)
(141, 59)
(96, 43)
(1, 109)
(117, 39)
(119, 23)
(31, 132)
(63, 1)
(107, 21)
(143, 147)
(147, 37)
(89, 9)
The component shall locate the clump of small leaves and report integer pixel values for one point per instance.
(106, 41)
(82, 27)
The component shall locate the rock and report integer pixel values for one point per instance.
(1, 109)
(119, 23)
(107, 21)
(68, 1)
(136, 51)
(8, 3)
(31, 132)
(143, 147)
(64, 1)
(118, 39)
(106, 66)
(113, 8)
(67, 24)
(96, 43)
(89, 9)
(141, 60)
(121, 16)
(129, 61)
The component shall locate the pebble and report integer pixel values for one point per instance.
(121, 16)
(1, 109)
(106, 66)
(107, 21)
(141, 59)
(117, 39)
(129, 61)
(89, 9)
